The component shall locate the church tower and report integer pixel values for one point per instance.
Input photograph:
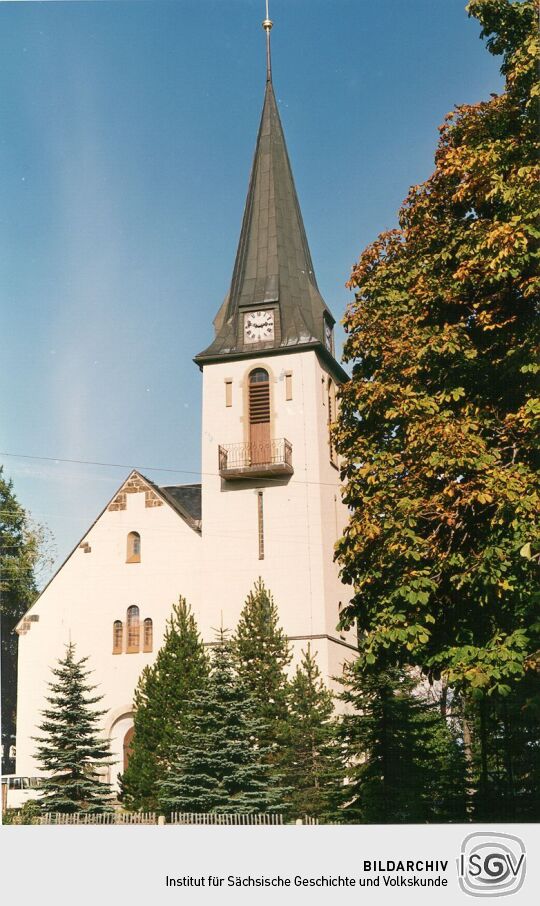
(271, 504)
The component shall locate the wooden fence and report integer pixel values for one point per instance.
(105, 818)
(178, 818)
(213, 819)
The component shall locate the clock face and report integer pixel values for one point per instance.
(258, 326)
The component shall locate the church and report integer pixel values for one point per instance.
(269, 502)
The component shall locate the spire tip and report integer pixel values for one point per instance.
(267, 25)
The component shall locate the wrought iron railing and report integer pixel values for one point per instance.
(266, 456)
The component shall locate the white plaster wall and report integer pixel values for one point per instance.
(303, 515)
(94, 589)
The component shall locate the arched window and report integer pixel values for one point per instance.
(118, 637)
(133, 630)
(148, 633)
(259, 416)
(133, 548)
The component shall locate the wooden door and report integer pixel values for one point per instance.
(128, 739)
(259, 417)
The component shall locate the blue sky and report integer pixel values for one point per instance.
(127, 131)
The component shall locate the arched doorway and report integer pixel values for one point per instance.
(128, 740)
(259, 416)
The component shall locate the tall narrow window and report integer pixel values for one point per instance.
(260, 520)
(259, 416)
(118, 637)
(288, 385)
(228, 393)
(148, 635)
(331, 419)
(133, 630)
(133, 554)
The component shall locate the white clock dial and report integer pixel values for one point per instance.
(258, 326)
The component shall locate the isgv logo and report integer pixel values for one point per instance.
(491, 864)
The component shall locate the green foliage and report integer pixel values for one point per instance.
(437, 428)
(312, 758)
(220, 764)
(18, 555)
(19, 551)
(71, 751)
(29, 813)
(405, 764)
(262, 653)
(505, 768)
(160, 707)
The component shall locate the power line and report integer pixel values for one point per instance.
(120, 465)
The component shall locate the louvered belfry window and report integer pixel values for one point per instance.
(259, 416)
(259, 397)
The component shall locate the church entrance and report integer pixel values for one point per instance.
(259, 416)
(128, 739)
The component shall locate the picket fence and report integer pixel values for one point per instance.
(178, 818)
(196, 818)
(105, 818)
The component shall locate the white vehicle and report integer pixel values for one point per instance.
(18, 790)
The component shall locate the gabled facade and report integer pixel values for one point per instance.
(269, 504)
(112, 598)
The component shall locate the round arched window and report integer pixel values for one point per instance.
(258, 376)
(118, 636)
(133, 629)
(133, 553)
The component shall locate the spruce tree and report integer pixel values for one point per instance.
(313, 760)
(221, 765)
(181, 666)
(404, 762)
(262, 654)
(71, 750)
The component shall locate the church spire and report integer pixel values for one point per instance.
(273, 271)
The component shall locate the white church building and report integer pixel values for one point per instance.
(269, 504)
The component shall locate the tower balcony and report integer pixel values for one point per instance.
(256, 460)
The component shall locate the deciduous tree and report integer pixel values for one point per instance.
(437, 425)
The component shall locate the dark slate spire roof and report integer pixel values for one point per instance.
(273, 267)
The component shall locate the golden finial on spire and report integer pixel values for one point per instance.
(267, 25)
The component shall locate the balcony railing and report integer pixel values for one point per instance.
(272, 457)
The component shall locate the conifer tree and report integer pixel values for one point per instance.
(181, 666)
(261, 654)
(220, 765)
(404, 762)
(313, 760)
(71, 750)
